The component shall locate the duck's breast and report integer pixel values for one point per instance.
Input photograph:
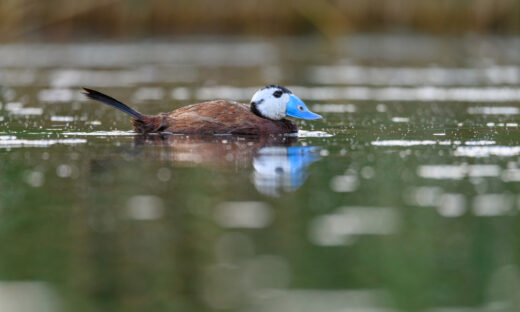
(223, 117)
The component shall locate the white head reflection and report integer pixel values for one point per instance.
(280, 169)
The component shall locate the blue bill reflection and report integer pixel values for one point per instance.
(280, 168)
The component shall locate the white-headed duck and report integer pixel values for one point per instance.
(265, 115)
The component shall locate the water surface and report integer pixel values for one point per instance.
(403, 198)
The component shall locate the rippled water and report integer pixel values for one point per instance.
(403, 198)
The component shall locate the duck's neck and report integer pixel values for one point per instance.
(254, 110)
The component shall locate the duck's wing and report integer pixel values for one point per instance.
(222, 117)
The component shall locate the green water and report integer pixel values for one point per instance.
(403, 198)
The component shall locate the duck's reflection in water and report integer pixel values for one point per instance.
(278, 166)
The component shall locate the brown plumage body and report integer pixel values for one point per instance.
(214, 117)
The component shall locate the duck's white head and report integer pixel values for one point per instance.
(277, 102)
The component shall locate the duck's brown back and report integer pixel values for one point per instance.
(215, 117)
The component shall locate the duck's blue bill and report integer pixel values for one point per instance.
(297, 109)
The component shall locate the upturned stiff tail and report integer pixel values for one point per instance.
(103, 98)
(142, 123)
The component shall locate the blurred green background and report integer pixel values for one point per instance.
(73, 20)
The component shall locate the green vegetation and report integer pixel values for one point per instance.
(130, 19)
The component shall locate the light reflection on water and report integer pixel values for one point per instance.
(424, 94)
(123, 55)
(8, 142)
(26, 296)
(431, 76)
(345, 224)
(404, 198)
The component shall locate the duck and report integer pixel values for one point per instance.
(267, 113)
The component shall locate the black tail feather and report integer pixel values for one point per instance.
(98, 96)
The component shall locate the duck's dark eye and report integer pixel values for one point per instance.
(277, 93)
(300, 108)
